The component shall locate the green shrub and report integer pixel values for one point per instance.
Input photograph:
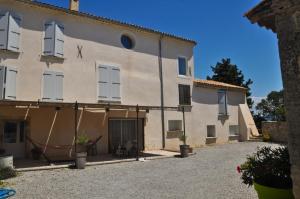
(82, 139)
(268, 167)
(7, 173)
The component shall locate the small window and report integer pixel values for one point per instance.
(54, 39)
(222, 100)
(127, 42)
(211, 131)
(184, 94)
(233, 130)
(175, 125)
(182, 66)
(53, 86)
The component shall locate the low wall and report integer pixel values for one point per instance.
(278, 131)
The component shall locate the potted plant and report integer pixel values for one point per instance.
(269, 171)
(36, 153)
(184, 148)
(81, 152)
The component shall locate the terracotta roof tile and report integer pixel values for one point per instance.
(216, 84)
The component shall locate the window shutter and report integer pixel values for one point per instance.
(14, 33)
(115, 84)
(59, 40)
(103, 83)
(49, 38)
(48, 88)
(11, 84)
(59, 77)
(3, 29)
(2, 74)
(222, 102)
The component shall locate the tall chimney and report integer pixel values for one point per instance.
(74, 5)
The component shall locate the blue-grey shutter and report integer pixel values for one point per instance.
(14, 33)
(3, 29)
(11, 83)
(115, 84)
(59, 40)
(103, 83)
(49, 38)
(49, 84)
(2, 75)
(59, 77)
(222, 102)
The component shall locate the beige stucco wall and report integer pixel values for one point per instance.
(140, 83)
(205, 112)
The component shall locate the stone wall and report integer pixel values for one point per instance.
(278, 131)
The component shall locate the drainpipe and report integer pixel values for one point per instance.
(161, 90)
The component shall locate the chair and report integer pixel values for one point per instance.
(92, 146)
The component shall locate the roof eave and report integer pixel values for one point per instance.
(104, 19)
(263, 15)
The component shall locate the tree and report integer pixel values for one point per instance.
(272, 108)
(229, 73)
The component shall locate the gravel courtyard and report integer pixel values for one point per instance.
(210, 174)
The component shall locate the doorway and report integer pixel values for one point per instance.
(14, 138)
(122, 134)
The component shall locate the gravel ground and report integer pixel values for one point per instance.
(210, 174)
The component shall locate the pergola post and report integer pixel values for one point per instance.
(75, 125)
(183, 120)
(137, 134)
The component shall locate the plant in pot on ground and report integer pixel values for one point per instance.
(81, 152)
(184, 148)
(269, 171)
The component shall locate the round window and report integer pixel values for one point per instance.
(127, 42)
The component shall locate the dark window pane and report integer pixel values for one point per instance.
(222, 102)
(184, 94)
(22, 131)
(127, 42)
(182, 66)
(10, 132)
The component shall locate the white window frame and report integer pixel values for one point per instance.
(226, 102)
(43, 40)
(187, 76)
(173, 130)
(237, 128)
(214, 129)
(20, 28)
(43, 84)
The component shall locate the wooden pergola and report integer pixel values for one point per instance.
(105, 106)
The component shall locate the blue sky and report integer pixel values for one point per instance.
(218, 26)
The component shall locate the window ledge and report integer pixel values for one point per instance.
(178, 131)
(53, 57)
(10, 51)
(211, 138)
(233, 136)
(184, 76)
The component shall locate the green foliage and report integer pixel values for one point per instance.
(82, 139)
(183, 138)
(268, 167)
(258, 119)
(229, 73)
(272, 108)
(7, 173)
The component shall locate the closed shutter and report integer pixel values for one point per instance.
(11, 83)
(49, 38)
(184, 94)
(59, 77)
(59, 40)
(115, 84)
(48, 88)
(14, 33)
(103, 83)
(222, 102)
(2, 74)
(3, 29)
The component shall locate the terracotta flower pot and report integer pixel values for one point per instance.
(265, 192)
